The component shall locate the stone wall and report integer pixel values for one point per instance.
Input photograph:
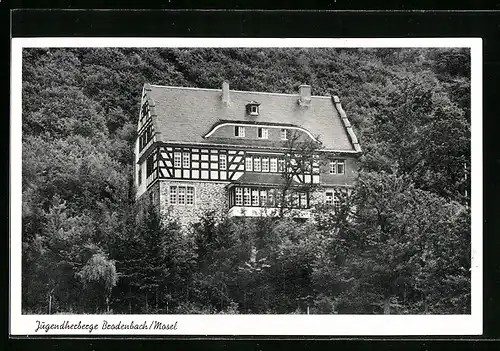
(318, 196)
(150, 197)
(208, 196)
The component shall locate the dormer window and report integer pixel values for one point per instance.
(239, 131)
(284, 134)
(253, 108)
(262, 133)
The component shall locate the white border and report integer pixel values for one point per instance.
(340, 325)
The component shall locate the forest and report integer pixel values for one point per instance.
(399, 245)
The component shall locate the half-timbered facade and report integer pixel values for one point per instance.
(240, 152)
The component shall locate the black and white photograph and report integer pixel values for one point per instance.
(244, 180)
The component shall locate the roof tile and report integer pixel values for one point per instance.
(252, 178)
(187, 114)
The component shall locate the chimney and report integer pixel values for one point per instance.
(225, 92)
(304, 95)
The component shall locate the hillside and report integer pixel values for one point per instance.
(406, 251)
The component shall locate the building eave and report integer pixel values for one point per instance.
(250, 147)
(347, 123)
(145, 153)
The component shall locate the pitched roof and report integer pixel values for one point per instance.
(182, 114)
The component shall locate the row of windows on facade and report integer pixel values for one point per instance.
(254, 197)
(185, 195)
(260, 197)
(266, 197)
(253, 163)
(181, 195)
(262, 133)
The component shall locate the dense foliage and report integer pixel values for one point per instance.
(400, 244)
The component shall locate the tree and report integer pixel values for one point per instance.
(406, 222)
(399, 228)
(156, 261)
(300, 159)
(99, 277)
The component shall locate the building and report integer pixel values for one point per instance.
(243, 153)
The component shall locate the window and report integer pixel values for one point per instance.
(139, 176)
(340, 167)
(278, 197)
(145, 109)
(333, 199)
(246, 196)
(274, 165)
(177, 159)
(173, 195)
(186, 160)
(265, 164)
(182, 195)
(239, 131)
(145, 137)
(239, 196)
(284, 134)
(256, 164)
(329, 198)
(149, 134)
(288, 199)
(149, 165)
(189, 195)
(248, 163)
(308, 167)
(253, 108)
(222, 161)
(337, 167)
(142, 141)
(263, 198)
(255, 197)
(281, 165)
(263, 133)
(303, 200)
(270, 198)
(333, 168)
(295, 200)
(336, 203)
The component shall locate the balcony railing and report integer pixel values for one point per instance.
(252, 211)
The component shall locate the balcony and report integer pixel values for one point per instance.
(260, 200)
